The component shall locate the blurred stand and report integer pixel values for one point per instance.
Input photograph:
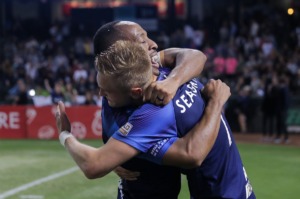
(48, 46)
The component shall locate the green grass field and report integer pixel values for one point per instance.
(273, 170)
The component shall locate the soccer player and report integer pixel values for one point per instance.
(189, 62)
(221, 174)
(214, 178)
(122, 83)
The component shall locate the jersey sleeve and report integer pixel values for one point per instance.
(158, 150)
(148, 126)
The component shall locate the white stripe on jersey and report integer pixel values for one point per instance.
(227, 131)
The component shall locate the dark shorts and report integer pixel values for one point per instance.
(148, 190)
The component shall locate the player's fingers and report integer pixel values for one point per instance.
(61, 107)
(57, 115)
(135, 174)
(63, 119)
(153, 97)
(159, 101)
(127, 174)
(160, 98)
(131, 175)
(131, 178)
(58, 119)
(157, 96)
(148, 93)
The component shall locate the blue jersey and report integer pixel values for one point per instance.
(221, 174)
(150, 129)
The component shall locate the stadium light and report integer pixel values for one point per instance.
(290, 11)
(31, 92)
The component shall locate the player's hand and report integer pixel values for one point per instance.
(126, 174)
(160, 92)
(216, 90)
(62, 120)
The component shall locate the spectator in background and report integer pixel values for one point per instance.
(282, 102)
(21, 97)
(254, 28)
(91, 83)
(80, 86)
(60, 59)
(297, 31)
(57, 92)
(163, 40)
(80, 72)
(80, 77)
(268, 109)
(219, 65)
(199, 39)
(297, 83)
(70, 94)
(79, 47)
(231, 63)
(41, 91)
(267, 45)
(224, 31)
(6, 79)
(177, 38)
(256, 85)
(89, 98)
(88, 47)
(209, 65)
(242, 108)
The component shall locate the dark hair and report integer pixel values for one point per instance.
(107, 35)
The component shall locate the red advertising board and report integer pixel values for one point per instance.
(39, 122)
(12, 122)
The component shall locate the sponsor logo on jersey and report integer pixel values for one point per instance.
(125, 129)
(156, 148)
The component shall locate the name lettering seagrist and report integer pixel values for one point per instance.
(187, 99)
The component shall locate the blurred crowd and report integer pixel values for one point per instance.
(258, 56)
(59, 67)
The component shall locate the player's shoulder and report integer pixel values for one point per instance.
(149, 111)
(149, 108)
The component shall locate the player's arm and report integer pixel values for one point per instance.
(190, 150)
(185, 64)
(94, 162)
(97, 162)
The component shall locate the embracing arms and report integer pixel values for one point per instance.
(190, 150)
(188, 63)
(185, 64)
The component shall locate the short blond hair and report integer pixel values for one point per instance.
(127, 62)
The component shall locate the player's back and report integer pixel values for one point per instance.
(222, 174)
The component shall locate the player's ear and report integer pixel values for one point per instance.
(136, 92)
